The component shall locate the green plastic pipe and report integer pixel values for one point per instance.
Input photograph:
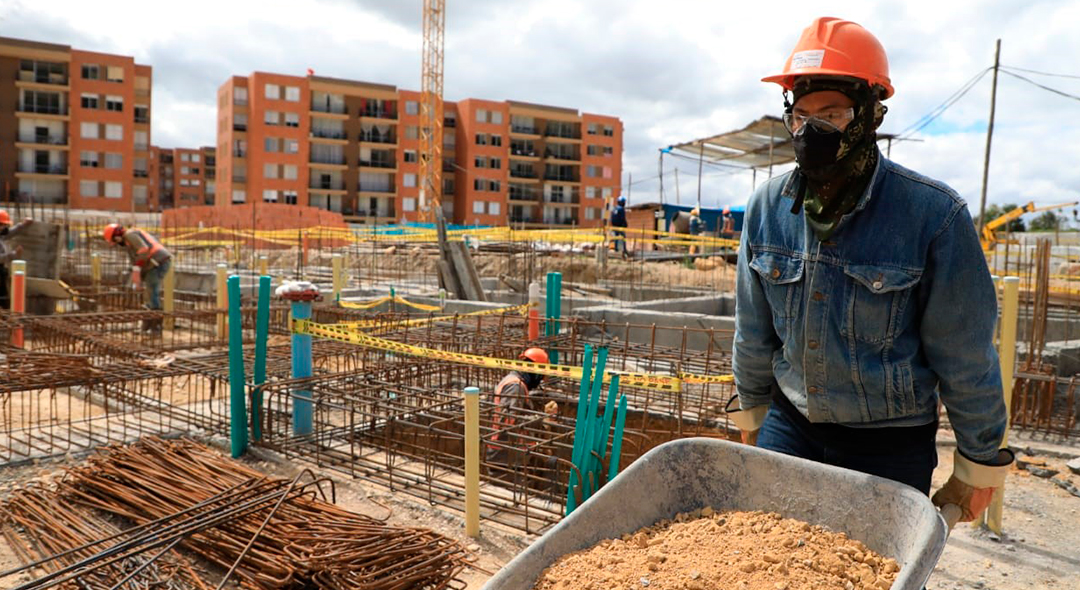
(587, 459)
(237, 403)
(604, 431)
(262, 333)
(616, 443)
(580, 427)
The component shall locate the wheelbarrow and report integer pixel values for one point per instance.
(890, 518)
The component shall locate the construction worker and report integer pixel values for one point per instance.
(8, 253)
(696, 227)
(618, 220)
(153, 260)
(862, 293)
(727, 227)
(513, 395)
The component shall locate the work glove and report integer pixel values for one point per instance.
(747, 421)
(972, 484)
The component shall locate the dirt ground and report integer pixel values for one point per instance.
(1038, 549)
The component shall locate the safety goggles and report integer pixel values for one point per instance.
(828, 121)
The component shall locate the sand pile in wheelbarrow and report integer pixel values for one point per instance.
(706, 550)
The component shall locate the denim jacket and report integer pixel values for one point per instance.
(866, 328)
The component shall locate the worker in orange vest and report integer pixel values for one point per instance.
(514, 396)
(7, 253)
(153, 260)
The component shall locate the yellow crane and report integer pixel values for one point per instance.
(989, 238)
(431, 111)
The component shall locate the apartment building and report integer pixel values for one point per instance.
(353, 148)
(74, 127)
(182, 177)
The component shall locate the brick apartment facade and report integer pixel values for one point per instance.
(74, 127)
(353, 148)
(182, 177)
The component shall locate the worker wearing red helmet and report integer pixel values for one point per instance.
(153, 260)
(8, 253)
(862, 292)
(512, 395)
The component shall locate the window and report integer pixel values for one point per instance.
(240, 96)
(114, 190)
(292, 146)
(114, 103)
(412, 132)
(292, 119)
(270, 196)
(114, 161)
(496, 163)
(88, 159)
(114, 132)
(592, 171)
(494, 186)
(408, 204)
(607, 172)
(271, 144)
(609, 130)
(238, 196)
(410, 157)
(592, 129)
(290, 197)
(142, 113)
(89, 188)
(195, 182)
(590, 192)
(91, 72)
(607, 192)
(590, 213)
(185, 157)
(89, 101)
(481, 139)
(409, 180)
(479, 184)
(273, 91)
(412, 107)
(481, 116)
(185, 170)
(593, 150)
(142, 140)
(289, 172)
(292, 93)
(89, 131)
(195, 158)
(608, 150)
(114, 74)
(270, 171)
(478, 207)
(139, 192)
(271, 117)
(493, 208)
(496, 140)
(480, 162)
(184, 182)
(496, 117)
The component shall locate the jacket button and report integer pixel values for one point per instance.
(813, 344)
(877, 284)
(819, 296)
(775, 273)
(813, 389)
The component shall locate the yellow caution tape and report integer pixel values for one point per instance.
(627, 379)
(381, 300)
(369, 324)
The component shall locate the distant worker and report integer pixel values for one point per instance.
(727, 228)
(697, 226)
(8, 254)
(618, 220)
(153, 260)
(863, 294)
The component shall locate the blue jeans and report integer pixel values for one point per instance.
(912, 465)
(152, 279)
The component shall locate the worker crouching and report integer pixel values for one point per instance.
(153, 260)
(520, 418)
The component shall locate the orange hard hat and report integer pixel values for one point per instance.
(111, 231)
(4, 217)
(536, 355)
(834, 47)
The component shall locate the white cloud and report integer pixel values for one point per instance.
(672, 70)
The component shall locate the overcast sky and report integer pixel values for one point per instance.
(672, 70)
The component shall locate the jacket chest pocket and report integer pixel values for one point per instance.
(876, 298)
(781, 278)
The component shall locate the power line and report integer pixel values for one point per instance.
(941, 108)
(1046, 88)
(1073, 76)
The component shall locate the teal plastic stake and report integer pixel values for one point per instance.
(604, 432)
(262, 332)
(237, 402)
(557, 309)
(587, 459)
(616, 443)
(580, 427)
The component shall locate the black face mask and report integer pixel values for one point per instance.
(532, 380)
(815, 149)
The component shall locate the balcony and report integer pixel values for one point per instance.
(385, 164)
(376, 113)
(449, 123)
(43, 77)
(43, 109)
(324, 134)
(58, 169)
(142, 147)
(384, 138)
(559, 220)
(327, 160)
(562, 131)
(326, 185)
(520, 193)
(523, 173)
(523, 150)
(562, 199)
(551, 176)
(43, 139)
(239, 178)
(524, 130)
(380, 189)
(141, 174)
(239, 127)
(558, 155)
(522, 219)
(328, 108)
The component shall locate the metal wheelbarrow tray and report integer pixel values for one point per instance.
(890, 518)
